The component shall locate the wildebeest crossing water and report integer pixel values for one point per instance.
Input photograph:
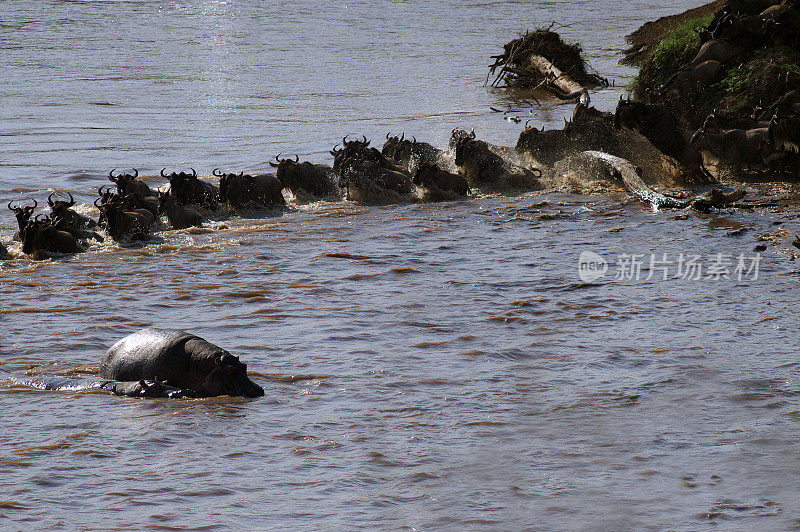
(433, 365)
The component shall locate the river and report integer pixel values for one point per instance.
(426, 366)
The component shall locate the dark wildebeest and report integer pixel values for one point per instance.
(189, 190)
(241, 191)
(40, 238)
(656, 123)
(180, 360)
(23, 215)
(410, 154)
(314, 179)
(63, 210)
(179, 217)
(66, 219)
(717, 121)
(122, 221)
(716, 50)
(690, 80)
(736, 146)
(142, 197)
(784, 134)
(440, 183)
(368, 175)
(480, 166)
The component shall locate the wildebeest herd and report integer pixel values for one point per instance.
(404, 170)
(739, 30)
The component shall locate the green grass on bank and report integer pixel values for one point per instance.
(668, 56)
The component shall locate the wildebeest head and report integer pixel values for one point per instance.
(123, 181)
(229, 377)
(224, 182)
(22, 214)
(458, 136)
(59, 207)
(627, 115)
(179, 182)
(397, 147)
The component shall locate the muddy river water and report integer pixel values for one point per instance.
(426, 366)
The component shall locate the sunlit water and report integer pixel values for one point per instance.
(431, 366)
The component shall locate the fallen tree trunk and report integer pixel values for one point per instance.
(559, 83)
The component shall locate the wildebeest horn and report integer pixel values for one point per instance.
(162, 172)
(71, 199)
(344, 140)
(50, 199)
(365, 139)
(472, 134)
(296, 158)
(214, 172)
(95, 202)
(387, 136)
(135, 173)
(111, 176)
(194, 174)
(10, 208)
(413, 139)
(402, 137)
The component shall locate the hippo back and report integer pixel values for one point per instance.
(150, 354)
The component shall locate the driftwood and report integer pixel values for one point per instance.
(542, 60)
(559, 83)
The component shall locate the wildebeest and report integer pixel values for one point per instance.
(189, 190)
(784, 134)
(480, 166)
(717, 121)
(786, 106)
(439, 183)
(141, 195)
(179, 217)
(65, 219)
(62, 210)
(735, 145)
(368, 175)
(40, 238)
(717, 50)
(691, 79)
(121, 221)
(315, 179)
(410, 154)
(656, 123)
(245, 191)
(23, 215)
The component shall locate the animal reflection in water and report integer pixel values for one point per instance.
(163, 363)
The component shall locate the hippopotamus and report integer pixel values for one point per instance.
(177, 360)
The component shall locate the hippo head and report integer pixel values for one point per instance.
(229, 377)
